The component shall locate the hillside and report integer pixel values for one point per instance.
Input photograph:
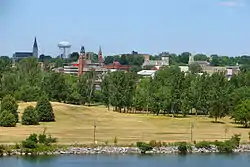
(74, 124)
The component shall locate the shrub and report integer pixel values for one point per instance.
(33, 137)
(226, 146)
(9, 104)
(236, 139)
(30, 116)
(183, 148)
(29, 144)
(7, 119)
(203, 144)
(45, 110)
(42, 138)
(144, 147)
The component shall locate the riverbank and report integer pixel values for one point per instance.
(119, 150)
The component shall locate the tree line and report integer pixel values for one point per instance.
(170, 92)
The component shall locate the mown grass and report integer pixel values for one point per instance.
(74, 124)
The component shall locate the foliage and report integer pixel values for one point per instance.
(195, 68)
(203, 144)
(30, 116)
(183, 148)
(9, 104)
(242, 113)
(7, 119)
(144, 147)
(45, 110)
(33, 141)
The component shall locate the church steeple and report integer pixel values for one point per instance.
(35, 49)
(100, 58)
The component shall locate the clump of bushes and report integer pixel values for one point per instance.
(144, 147)
(184, 148)
(228, 145)
(203, 144)
(34, 140)
(30, 116)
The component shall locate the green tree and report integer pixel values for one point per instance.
(195, 68)
(242, 113)
(30, 116)
(9, 104)
(219, 91)
(7, 119)
(45, 110)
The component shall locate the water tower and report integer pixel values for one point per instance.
(64, 46)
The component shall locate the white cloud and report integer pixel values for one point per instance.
(232, 3)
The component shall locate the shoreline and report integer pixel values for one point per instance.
(112, 150)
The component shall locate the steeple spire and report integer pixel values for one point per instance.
(35, 49)
(100, 59)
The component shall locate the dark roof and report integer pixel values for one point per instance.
(22, 54)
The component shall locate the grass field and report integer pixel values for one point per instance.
(74, 124)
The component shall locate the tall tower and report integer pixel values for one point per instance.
(191, 59)
(82, 61)
(35, 49)
(100, 58)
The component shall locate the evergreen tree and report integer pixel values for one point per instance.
(7, 119)
(30, 116)
(9, 104)
(45, 110)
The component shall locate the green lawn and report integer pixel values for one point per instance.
(74, 124)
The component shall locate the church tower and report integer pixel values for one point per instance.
(191, 59)
(100, 58)
(35, 49)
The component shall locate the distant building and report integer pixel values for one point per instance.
(21, 55)
(156, 64)
(147, 73)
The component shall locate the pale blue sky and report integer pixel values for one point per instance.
(120, 26)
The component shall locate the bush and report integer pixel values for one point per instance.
(33, 137)
(9, 104)
(144, 147)
(42, 138)
(236, 139)
(45, 110)
(30, 116)
(7, 119)
(29, 144)
(183, 148)
(154, 143)
(203, 144)
(225, 147)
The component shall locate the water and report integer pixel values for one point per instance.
(218, 160)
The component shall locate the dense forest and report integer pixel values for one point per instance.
(170, 92)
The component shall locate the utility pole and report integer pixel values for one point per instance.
(226, 130)
(94, 131)
(191, 131)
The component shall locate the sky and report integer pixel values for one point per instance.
(121, 26)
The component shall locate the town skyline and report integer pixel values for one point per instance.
(214, 27)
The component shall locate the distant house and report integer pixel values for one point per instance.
(156, 64)
(147, 73)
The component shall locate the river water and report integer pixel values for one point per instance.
(218, 160)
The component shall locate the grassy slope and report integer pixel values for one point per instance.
(74, 124)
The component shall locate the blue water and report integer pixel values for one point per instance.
(218, 160)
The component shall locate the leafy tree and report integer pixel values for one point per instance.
(242, 113)
(195, 68)
(30, 116)
(45, 110)
(219, 91)
(9, 104)
(7, 119)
